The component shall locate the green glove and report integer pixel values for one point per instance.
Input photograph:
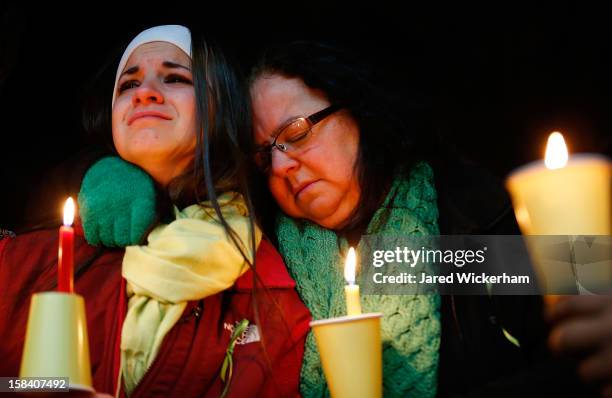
(116, 203)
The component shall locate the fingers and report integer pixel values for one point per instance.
(582, 334)
(597, 367)
(573, 306)
(583, 325)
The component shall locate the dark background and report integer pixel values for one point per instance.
(497, 80)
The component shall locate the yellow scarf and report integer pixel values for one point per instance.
(188, 259)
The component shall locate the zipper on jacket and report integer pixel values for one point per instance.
(168, 342)
(196, 312)
(455, 317)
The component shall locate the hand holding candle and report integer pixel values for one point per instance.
(65, 254)
(562, 195)
(353, 306)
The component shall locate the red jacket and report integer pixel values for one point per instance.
(189, 361)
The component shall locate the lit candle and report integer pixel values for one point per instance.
(564, 195)
(66, 250)
(351, 291)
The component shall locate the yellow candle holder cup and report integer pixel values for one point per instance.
(56, 343)
(351, 354)
(572, 200)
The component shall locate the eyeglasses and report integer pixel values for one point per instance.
(291, 137)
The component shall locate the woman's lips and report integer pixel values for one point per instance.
(143, 114)
(302, 187)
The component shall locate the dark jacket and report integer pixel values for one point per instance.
(189, 361)
(476, 358)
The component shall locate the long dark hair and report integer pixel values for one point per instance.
(223, 117)
(221, 162)
(387, 142)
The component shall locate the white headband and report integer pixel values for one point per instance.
(173, 34)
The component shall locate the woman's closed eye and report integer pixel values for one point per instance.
(297, 136)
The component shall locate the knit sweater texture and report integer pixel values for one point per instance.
(410, 327)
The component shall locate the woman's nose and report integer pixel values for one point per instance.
(283, 163)
(146, 94)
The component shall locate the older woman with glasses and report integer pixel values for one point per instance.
(291, 136)
(333, 178)
(340, 163)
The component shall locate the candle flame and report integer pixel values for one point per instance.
(556, 152)
(349, 266)
(69, 212)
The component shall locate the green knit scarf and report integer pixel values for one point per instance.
(410, 324)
